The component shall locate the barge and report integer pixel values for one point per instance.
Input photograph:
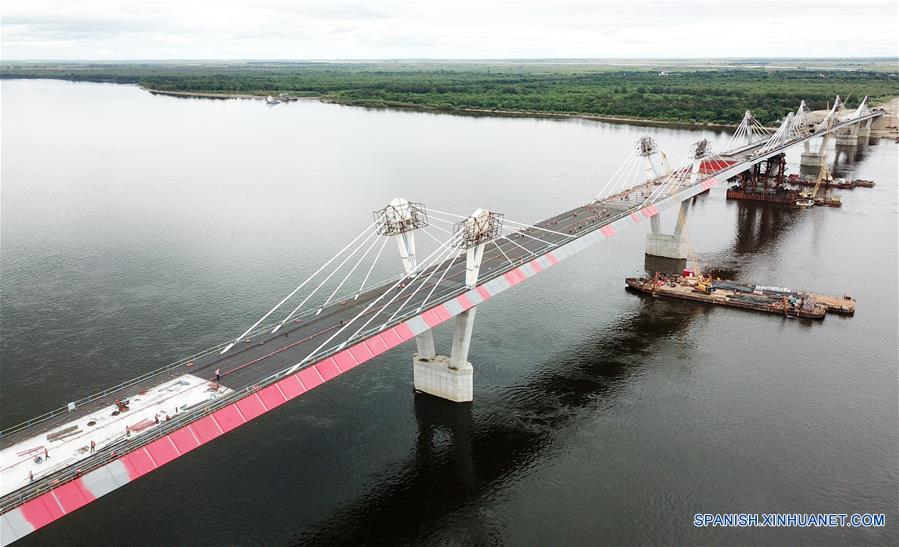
(779, 300)
(839, 183)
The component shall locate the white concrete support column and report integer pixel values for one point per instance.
(406, 244)
(681, 218)
(747, 119)
(652, 172)
(864, 130)
(694, 172)
(452, 378)
(665, 245)
(811, 159)
(655, 224)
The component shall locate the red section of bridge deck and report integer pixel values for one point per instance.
(206, 429)
(228, 418)
(292, 387)
(345, 361)
(310, 377)
(250, 406)
(376, 345)
(328, 369)
(360, 353)
(514, 277)
(464, 302)
(713, 166)
(184, 439)
(163, 450)
(73, 495)
(404, 332)
(138, 463)
(607, 231)
(442, 313)
(272, 397)
(485, 294)
(42, 510)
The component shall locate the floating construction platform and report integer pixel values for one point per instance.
(839, 184)
(777, 300)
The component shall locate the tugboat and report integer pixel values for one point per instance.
(271, 100)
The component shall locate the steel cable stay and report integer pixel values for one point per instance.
(450, 249)
(444, 255)
(370, 227)
(425, 264)
(370, 269)
(320, 285)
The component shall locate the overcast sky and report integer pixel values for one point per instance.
(379, 29)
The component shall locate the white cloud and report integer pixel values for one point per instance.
(379, 29)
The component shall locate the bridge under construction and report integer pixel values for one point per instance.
(331, 322)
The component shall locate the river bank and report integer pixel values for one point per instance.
(889, 131)
(463, 111)
(208, 95)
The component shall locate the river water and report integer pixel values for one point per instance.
(139, 228)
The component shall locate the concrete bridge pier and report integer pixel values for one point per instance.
(864, 132)
(452, 378)
(847, 136)
(811, 159)
(673, 246)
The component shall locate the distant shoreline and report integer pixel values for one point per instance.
(474, 111)
(208, 95)
(890, 106)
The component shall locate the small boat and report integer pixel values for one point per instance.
(272, 100)
(805, 203)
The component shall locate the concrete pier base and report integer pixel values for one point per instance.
(811, 159)
(653, 264)
(666, 246)
(846, 139)
(437, 377)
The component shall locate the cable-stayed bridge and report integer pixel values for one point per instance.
(339, 318)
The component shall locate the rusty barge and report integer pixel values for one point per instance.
(779, 300)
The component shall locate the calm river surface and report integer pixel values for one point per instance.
(139, 228)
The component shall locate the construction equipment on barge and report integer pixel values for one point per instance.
(764, 182)
(838, 183)
(779, 300)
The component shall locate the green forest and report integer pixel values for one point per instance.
(679, 95)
